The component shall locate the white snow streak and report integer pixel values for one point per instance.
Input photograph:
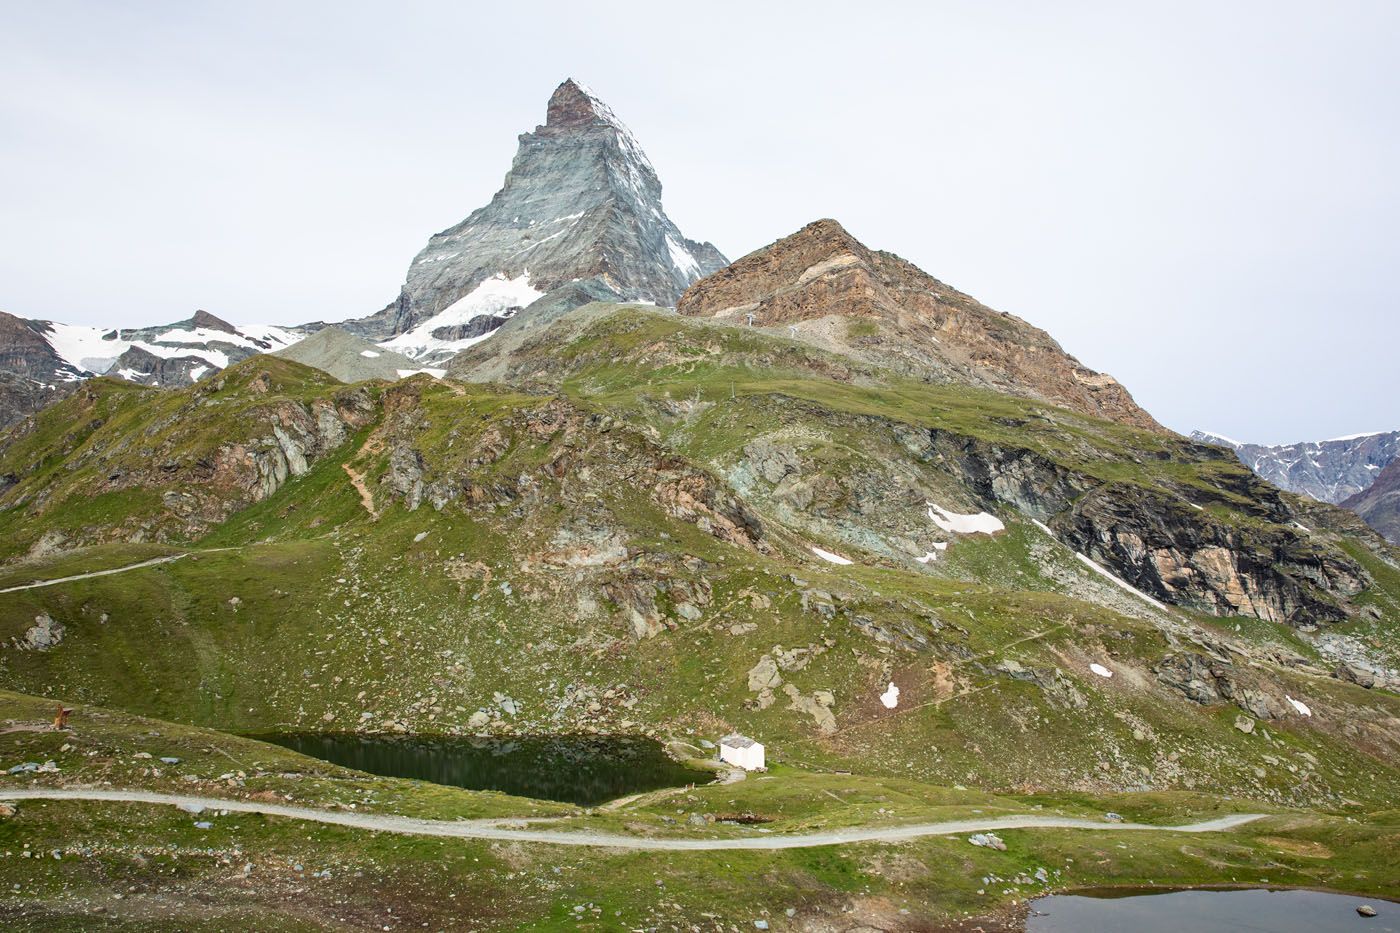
(830, 557)
(1221, 437)
(1124, 584)
(933, 555)
(682, 259)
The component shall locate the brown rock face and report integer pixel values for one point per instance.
(204, 319)
(831, 289)
(570, 105)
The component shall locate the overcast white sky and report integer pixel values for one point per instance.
(1200, 198)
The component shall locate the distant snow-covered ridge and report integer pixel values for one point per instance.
(184, 352)
(95, 351)
(1329, 471)
(172, 354)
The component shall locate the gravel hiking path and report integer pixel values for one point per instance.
(501, 830)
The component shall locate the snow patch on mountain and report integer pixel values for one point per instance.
(831, 558)
(84, 348)
(497, 296)
(682, 257)
(954, 523)
(1210, 437)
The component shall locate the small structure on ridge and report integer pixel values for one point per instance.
(742, 752)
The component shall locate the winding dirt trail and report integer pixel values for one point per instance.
(168, 559)
(500, 830)
(153, 562)
(358, 481)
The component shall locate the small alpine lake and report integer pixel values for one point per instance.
(580, 769)
(1209, 911)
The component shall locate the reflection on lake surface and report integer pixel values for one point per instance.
(1209, 912)
(585, 770)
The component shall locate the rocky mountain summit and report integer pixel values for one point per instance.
(1328, 471)
(824, 286)
(580, 210)
(578, 219)
(1379, 504)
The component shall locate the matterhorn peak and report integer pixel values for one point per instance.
(574, 104)
(578, 218)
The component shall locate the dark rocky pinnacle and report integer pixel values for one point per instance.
(570, 105)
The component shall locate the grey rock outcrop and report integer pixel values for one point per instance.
(347, 357)
(1209, 681)
(405, 476)
(300, 437)
(44, 634)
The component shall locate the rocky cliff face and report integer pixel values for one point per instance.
(31, 373)
(1165, 542)
(1379, 504)
(581, 203)
(1187, 524)
(822, 285)
(194, 465)
(1328, 471)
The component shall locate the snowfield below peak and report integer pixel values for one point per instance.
(496, 297)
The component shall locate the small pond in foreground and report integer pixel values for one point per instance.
(585, 769)
(1209, 912)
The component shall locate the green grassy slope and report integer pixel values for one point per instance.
(610, 547)
(304, 611)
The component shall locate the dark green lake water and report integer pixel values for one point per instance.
(585, 770)
(1210, 912)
